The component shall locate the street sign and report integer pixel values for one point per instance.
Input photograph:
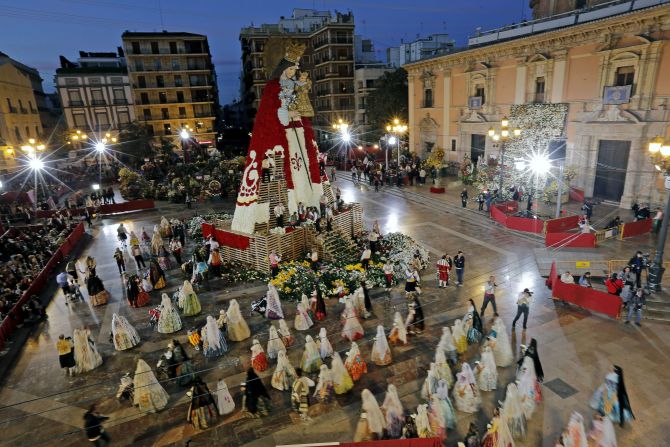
(582, 264)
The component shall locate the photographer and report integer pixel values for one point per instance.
(523, 307)
(635, 305)
(637, 264)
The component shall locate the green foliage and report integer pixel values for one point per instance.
(388, 101)
(133, 185)
(134, 141)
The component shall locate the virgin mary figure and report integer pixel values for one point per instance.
(283, 130)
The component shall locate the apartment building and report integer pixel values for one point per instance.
(329, 59)
(95, 93)
(173, 83)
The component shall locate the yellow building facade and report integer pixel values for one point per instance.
(19, 117)
(613, 73)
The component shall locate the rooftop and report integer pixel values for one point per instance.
(84, 70)
(164, 33)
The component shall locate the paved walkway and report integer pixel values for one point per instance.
(41, 406)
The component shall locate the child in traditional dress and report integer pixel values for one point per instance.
(273, 310)
(460, 339)
(325, 348)
(422, 422)
(529, 388)
(466, 393)
(124, 334)
(284, 374)
(237, 328)
(258, 360)
(500, 344)
(514, 416)
(307, 307)
(213, 342)
(398, 335)
(224, 401)
(188, 300)
(381, 353)
(311, 358)
(149, 395)
(352, 329)
(285, 334)
(485, 370)
(325, 389)
(341, 378)
(302, 320)
(354, 363)
(275, 343)
(169, 320)
(393, 412)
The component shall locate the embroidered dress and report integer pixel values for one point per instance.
(423, 428)
(237, 327)
(96, 291)
(202, 412)
(156, 275)
(513, 415)
(443, 369)
(275, 343)
(123, 333)
(436, 418)
(311, 358)
(341, 378)
(529, 388)
(375, 417)
(258, 360)
(284, 374)
(398, 335)
(149, 395)
(394, 415)
(325, 390)
(86, 355)
(285, 334)
(576, 433)
(224, 401)
(351, 329)
(447, 345)
(466, 394)
(307, 307)
(273, 311)
(302, 320)
(169, 320)
(354, 363)
(460, 340)
(325, 348)
(502, 349)
(183, 370)
(606, 400)
(156, 241)
(448, 412)
(188, 300)
(430, 384)
(602, 433)
(381, 353)
(213, 342)
(487, 374)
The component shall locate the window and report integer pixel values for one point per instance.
(180, 97)
(28, 131)
(160, 82)
(136, 47)
(21, 106)
(139, 65)
(182, 112)
(71, 81)
(17, 132)
(428, 97)
(119, 94)
(142, 81)
(167, 129)
(479, 91)
(97, 97)
(173, 47)
(10, 108)
(94, 81)
(369, 83)
(124, 118)
(75, 98)
(150, 131)
(175, 64)
(539, 89)
(37, 131)
(165, 113)
(178, 82)
(147, 114)
(157, 64)
(102, 119)
(144, 98)
(30, 104)
(624, 76)
(453, 145)
(162, 97)
(79, 120)
(116, 80)
(154, 47)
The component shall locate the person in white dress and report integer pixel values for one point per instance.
(602, 432)
(529, 388)
(351, 329)
(169, 320)
(273, 309)
(485, 370)
(275, 343)
(500, 344)
(302, 320)
(381, 353)
(512, 412)
(575, 431)
(238, 329)
(125, 336)
(311, 358)
(430, 384)
(394, 414)
(86, 356)
(443, 368)
(447, 345)
(188, 300)
(466, 393)
(213, 342)
(325, 348)
(224, 401)
(398, 335)
(149, 395)
(284, 373)
(460, 338)
(375, 417)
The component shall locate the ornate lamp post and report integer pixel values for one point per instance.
(659, 152)
(395, 130)
(501, 137)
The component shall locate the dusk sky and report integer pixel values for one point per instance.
(36, 32)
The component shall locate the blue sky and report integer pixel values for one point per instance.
(36, 32)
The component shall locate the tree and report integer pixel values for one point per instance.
(135, 142)
(388, 101)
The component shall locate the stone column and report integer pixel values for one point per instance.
(413, 126)
(446, 110)
(520, 87)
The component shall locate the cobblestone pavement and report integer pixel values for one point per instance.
(41, 406)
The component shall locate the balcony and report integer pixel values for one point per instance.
(33, 111)
(13, 109)
(24, 110)
(98, 102)
(203, 115)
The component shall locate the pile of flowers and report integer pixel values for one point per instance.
(235, 272)
(294, 279)
(401, 249)
(194, 226)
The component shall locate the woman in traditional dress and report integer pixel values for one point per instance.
(284, 374)
(156, 275)
(156, 241)
(163, 258)
(65, 348)
(474, 324)
(183, 370)
(529, 388)
(302, 320)
(86, 355)
(415, 322)
(238, 329)
(381, 353)
(500, 344)
(311, 358)
(497, 434)
(300, 394)
(575, 431)
(486, 372)
(610, 399)
(325, 348)
(224, 401)
(513, 413)
(273, 310)
(351, 329)
(258, 359)
(443, 368)
(96, 290)
(398, 335)
(150, 396)
(275, 343)
(531, 351)
(146, 282)
(124, 334)
(169, 320)
(325, 389)
(460, 339)
(213, 342)
(341, 378)
(354, 363)
(436, 418)
(145, 242)
(466, 393)
(255, 400)
(430, 384)
(448, 412)
(188, 300)
(137, 297)
(448, 346)
(285, 334)
(372, 426)
(202, 411)
(602, 432)
(320, 306)
(422, 422)
(306, 306)
(394, 415)
(133, 240)
(222, 321)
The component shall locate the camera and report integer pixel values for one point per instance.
(645, 260)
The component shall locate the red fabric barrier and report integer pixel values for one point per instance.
(226, 238)
(525, 224)
(577, 194)
(425, 442)
(562, 224)
(583, 240)
(636, 228)
(584, 297)
(123, 207)
(498, 216)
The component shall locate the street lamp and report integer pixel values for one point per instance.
(395, 129)
(343, 128)
(502, 137)
(659, 150)
(185, 135)
(35, 163)
(100, 148)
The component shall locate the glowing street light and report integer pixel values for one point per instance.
(395, 128)
(100, 147)
(539, 164)
(502, 136)
(184, 134)
(96, 187)
(345, 135)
